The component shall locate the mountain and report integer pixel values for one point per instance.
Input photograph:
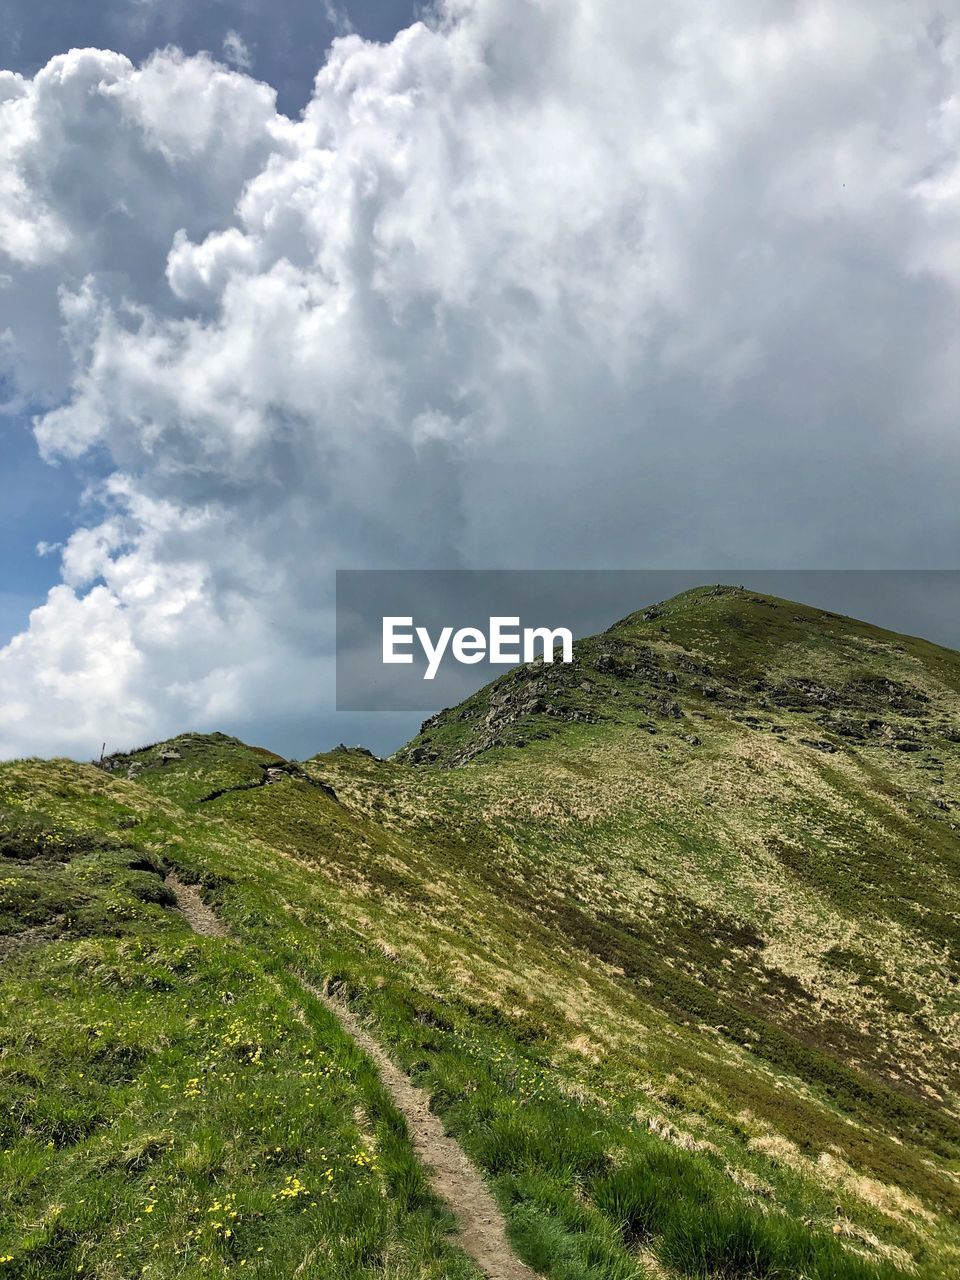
(668, 937)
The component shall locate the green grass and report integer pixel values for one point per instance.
(172, 1107)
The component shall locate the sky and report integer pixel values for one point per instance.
(495, 284)
(282, 44)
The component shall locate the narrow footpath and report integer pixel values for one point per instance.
(453, 1175)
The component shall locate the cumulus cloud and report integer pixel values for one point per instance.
(567, 284)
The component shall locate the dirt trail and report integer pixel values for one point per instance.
(456, 1180)
(194, 910)
(454, 1177)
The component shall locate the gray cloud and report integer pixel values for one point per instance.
(585, 284)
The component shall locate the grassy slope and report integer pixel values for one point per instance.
(175, 1105)
(687, 1002)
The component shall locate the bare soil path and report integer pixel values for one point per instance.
(194, 910)
(455, 1178)
(453, 1175)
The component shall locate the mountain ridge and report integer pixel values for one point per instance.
(691, 1006)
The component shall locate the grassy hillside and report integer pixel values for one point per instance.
(671, 936)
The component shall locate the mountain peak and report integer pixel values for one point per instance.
(711, 655)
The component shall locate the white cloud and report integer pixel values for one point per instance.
(235, 51)
(588, 282)
(100, 164)
(338, 18)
